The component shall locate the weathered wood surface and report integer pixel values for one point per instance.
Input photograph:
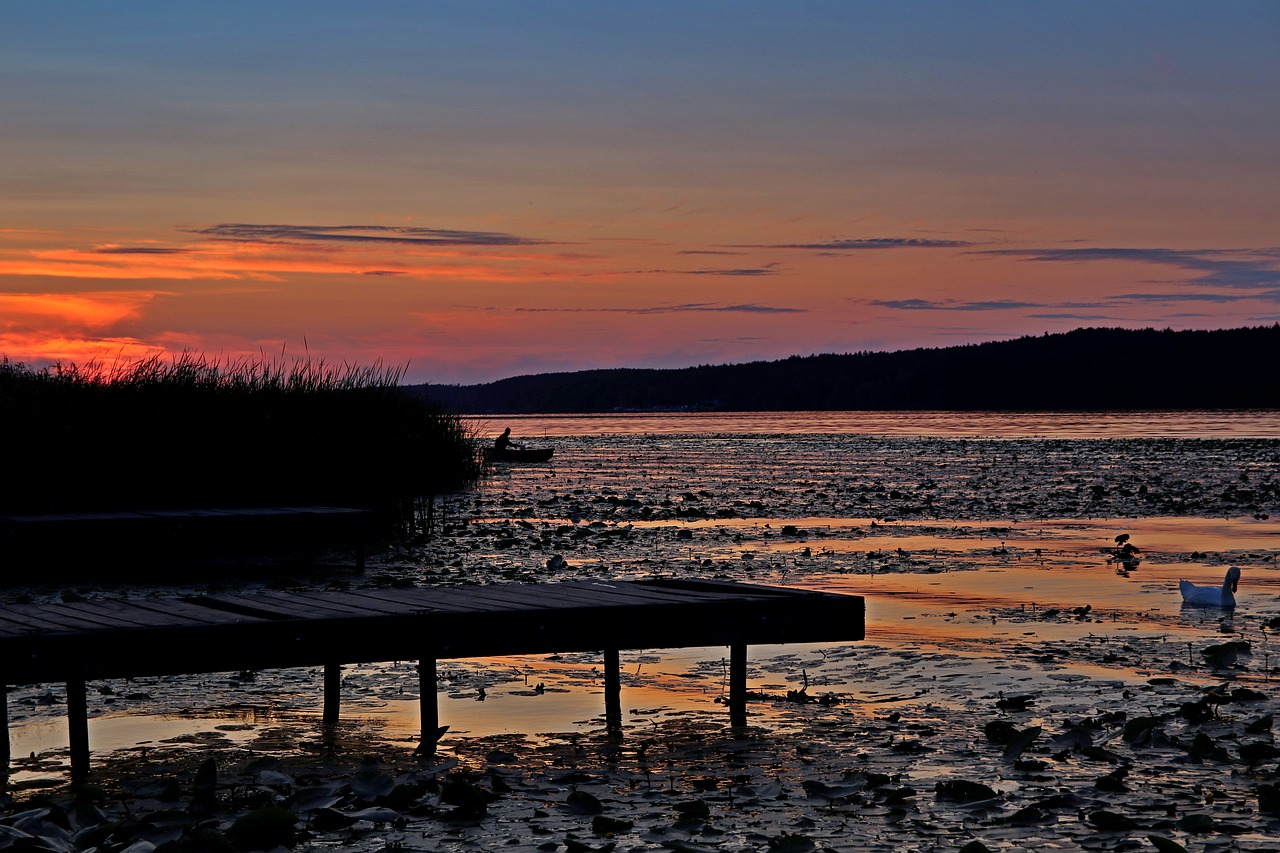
(138, 637)
(76, 642)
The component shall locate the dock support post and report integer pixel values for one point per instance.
(78, 728)
(332, 693)
(738, 685)
(5, 753)
(612, 693)
(428, 709)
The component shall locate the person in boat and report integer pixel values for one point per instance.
(504, 441)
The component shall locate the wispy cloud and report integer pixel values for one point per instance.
(271, 252)
(745, 308)
(409, 235)
(137, 250)
(1077, 318)
(952, 305)
(731, 272)
(1182, 297)
(1074, 310)
(768, 269)
(1226, 268)
(849, 245)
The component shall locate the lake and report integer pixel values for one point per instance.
(1157, 424)
(985, 543)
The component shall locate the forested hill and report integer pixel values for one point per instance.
(1087, 369)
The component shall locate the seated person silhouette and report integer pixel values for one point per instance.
(504, 441)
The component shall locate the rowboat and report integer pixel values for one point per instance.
(512, 454)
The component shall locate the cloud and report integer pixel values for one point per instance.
(745, 308)
(362, 234)
(748, 271)
(136, 250)
(1225, 268)
(1077, 318)
(44, 348)
(60, 312)
(952, 305)
(263, 253)
(869, 243)
(1073, 310)
(1182, 297)
(768, 269)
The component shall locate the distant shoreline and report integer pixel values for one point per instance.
(1084, 370)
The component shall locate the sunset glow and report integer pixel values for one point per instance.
(485, 191)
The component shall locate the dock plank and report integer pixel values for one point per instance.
(444, 600)
(551, 596)
(363, 603)
(479, 599)
(275, 604)
(195, 614)
(137, 614)
(556, 596)
(22, 625)
(48, 618)
(636, 591)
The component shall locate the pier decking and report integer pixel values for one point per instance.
(77, 642)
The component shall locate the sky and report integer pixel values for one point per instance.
(475, 190)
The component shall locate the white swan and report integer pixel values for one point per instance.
(1212, 596)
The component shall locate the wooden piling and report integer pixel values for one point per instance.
(738, 685)
(429, 710)
(612, 692)
(332, 693)
(5, 749)
(78, 728)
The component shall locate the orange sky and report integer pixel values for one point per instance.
(479, 192)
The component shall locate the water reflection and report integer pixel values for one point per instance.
(1206, 424)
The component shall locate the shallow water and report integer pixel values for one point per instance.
(1156, 424)
(964, 531)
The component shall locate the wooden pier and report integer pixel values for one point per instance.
(78, 642)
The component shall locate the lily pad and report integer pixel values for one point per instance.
(963, 791)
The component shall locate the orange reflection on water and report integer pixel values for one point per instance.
(1207, 424)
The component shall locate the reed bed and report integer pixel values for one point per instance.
(192, 431)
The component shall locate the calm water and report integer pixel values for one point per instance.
(1205, 424)
(960, 528)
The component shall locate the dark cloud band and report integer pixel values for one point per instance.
(871, 243)
(746, 308)
(950, 305)
(362, 234)
(137, 250)
(1228, 268)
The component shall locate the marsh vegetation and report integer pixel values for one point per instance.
(193, 431)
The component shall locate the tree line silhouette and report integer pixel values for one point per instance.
(1081, 370)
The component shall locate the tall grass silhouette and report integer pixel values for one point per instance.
(188, 430)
